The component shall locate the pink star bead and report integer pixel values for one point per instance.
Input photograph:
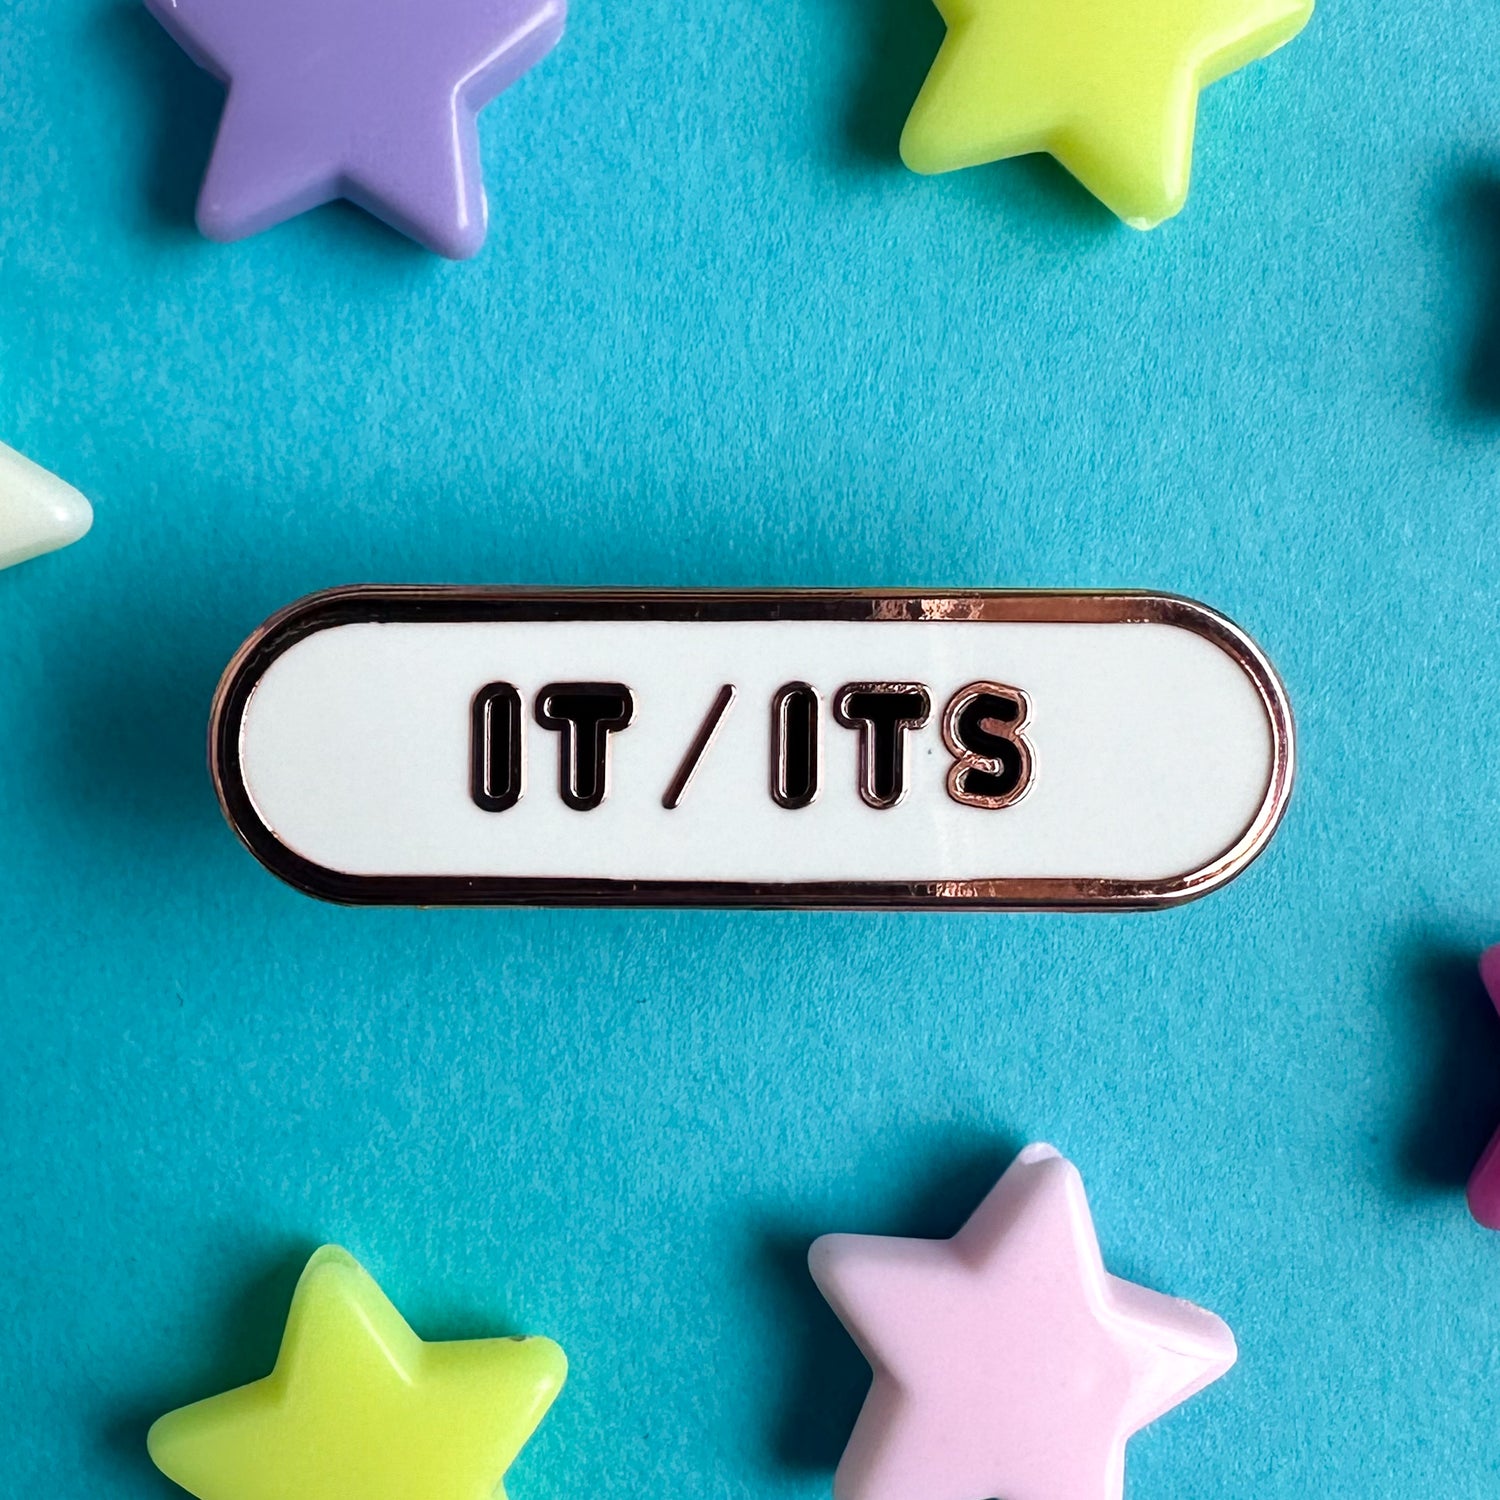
(1484, 1185)
(1008, 1362)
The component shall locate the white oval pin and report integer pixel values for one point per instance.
(459, 746)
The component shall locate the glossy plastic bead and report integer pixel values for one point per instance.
(1484, 1184)
(38, 512)
(1008, 1362)
(369, 100)
(359, 1408)
(1108, 87)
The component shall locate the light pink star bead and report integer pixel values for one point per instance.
(1008, 1362)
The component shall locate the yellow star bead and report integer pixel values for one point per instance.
(359, 1408)
(1108, 87)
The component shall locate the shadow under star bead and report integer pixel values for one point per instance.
(1108, 87)
(369, 100)
(359, 1408)
(1008, 1361)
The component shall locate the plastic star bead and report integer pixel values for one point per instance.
(1484, 1184)
(1008, 1362)
(1108, 87)
(38, 512)
(359, 1408)
(370, 100)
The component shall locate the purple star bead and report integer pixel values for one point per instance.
(370, 100)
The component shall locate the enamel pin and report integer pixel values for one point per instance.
(459, 746)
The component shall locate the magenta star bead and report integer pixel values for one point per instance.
(369, 100)
(1484, 1185)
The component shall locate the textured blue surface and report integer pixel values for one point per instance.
(720, 337)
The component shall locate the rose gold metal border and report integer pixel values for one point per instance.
(375, 604)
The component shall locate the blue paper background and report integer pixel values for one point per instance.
(719, 336)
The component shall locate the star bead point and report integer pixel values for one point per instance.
(39, 512)
(359, 1408)
(1107, 87)
(1007, 1361)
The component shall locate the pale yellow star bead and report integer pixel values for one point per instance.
(359, 1408)
(1108, 87)
(38, 512)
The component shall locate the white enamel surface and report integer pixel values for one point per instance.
(1153, 752)
(38, 511)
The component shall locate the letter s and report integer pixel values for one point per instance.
(982, 728)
